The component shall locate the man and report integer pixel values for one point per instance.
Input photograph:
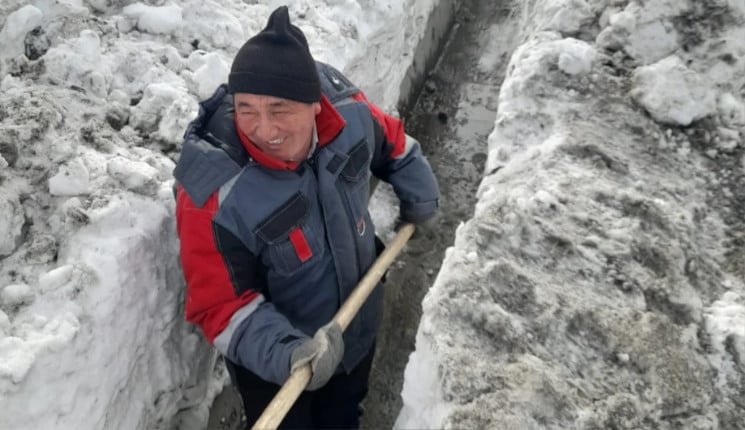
(272, 196)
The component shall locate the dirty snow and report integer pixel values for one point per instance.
(600, 281)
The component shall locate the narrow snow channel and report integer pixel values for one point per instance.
(452, 118)
(451, 115)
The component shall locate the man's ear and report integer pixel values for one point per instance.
(316, 108)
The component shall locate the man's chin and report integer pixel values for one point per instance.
(277, 153)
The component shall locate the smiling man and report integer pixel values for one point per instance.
(278, 127)
(272, 214)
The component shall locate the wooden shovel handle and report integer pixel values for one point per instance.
(298, 380)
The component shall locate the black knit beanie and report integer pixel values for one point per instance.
(276, 62)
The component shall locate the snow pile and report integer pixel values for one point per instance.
(599, 284)
(95, 99)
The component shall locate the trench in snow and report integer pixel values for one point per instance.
(451, 116)
(449, 103)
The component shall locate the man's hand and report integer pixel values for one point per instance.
(423, 228)
(324, 353)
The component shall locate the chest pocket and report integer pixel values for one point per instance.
(291, 241)
(354, 183)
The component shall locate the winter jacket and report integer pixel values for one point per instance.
(271, 249)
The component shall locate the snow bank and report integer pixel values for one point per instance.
(599, 283)
(95, 99)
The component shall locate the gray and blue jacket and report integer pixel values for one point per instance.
(270, 250)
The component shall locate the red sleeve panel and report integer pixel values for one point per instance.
(210, 297)
(393, 127)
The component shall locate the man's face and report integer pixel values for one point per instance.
(279, 127)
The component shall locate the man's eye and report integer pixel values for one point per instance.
(248, 113)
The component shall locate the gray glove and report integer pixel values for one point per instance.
(424, 228)
(323, 351)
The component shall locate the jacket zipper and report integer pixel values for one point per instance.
(312, 163)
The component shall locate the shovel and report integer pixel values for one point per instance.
(299, 379)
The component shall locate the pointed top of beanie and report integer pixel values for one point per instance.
(276, 62)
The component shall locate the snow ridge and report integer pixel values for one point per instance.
(599, 283)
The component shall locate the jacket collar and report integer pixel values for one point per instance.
(329, 124)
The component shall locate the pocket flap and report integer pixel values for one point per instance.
(278, 224)
(357, 162)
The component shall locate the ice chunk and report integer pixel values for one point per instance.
(16, 294)
(16, 359)
(672, 93)
(134, 175)
(731, 110)
(210, 75)
(576, 56)
(154, 19)
(567, 16)
(11, 224)
(16, 26)
(72, 179)
(55, 278)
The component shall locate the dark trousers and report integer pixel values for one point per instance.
(333, 406)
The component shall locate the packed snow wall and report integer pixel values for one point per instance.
(600, 281)
(95, 98)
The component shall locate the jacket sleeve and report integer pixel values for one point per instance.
(225, 294)
(398, 160)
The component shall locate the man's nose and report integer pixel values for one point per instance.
(265, 130)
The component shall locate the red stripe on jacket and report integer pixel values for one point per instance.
(210, 297)
(394, 128)
(302, 249)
